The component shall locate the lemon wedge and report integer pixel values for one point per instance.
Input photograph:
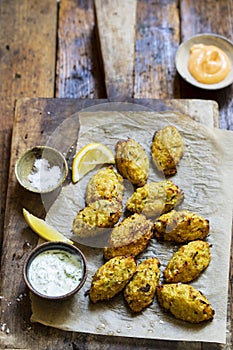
(88, 157)
(43, 229)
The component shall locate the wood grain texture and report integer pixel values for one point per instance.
(209, 17)
(19, 239)
(157, 39)
(116, 22)
(79, 71)
(27, 62)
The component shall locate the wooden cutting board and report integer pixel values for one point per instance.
(35, 122)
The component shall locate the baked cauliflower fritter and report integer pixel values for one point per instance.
(129, 237)
(188, 262)
(167, 149)
(107, 184)
(98, 215)
(132, 161)
(111, 278)
(181, 226)
(155, 198)
(184, 302)
(140, 291)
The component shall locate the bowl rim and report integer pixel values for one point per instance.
(182, 68)
(51, 245)
(41, 148)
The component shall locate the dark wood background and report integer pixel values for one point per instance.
(50, 49)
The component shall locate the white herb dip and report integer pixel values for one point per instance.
(55, 272)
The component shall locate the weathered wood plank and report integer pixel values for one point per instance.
(157, 40)
(27, 64)
(208, 17)
(79, 72)
(116, 22)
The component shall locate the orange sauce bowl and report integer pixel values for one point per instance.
(208, 39)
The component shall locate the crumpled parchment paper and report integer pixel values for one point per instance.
(205, 175)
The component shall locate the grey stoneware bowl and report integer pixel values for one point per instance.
(41, 169)
(55, 270)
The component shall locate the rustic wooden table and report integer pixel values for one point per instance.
(52, 51)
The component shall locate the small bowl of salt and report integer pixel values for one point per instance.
(41, 169)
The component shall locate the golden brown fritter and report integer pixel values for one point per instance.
(155, 198)
(100, 214)
(140, 291)
(111, 278)
(132, 161)
(188, 262)
(181, 226)
(167, 149)
(129, 237)
(107, 184)
(185, 302)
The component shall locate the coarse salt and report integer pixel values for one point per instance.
(44, 176)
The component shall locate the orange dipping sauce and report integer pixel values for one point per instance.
(208, 64)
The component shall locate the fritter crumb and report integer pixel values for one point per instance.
(111, 278)
(181, 226)
(98, 215)
(129, 237)
(184, 302)
(167, 149)
(188, 262)
(155, 198)
(140, 291)
(107, 184)
(132, 161)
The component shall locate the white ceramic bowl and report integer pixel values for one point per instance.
(39, 183)
(183, 54)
